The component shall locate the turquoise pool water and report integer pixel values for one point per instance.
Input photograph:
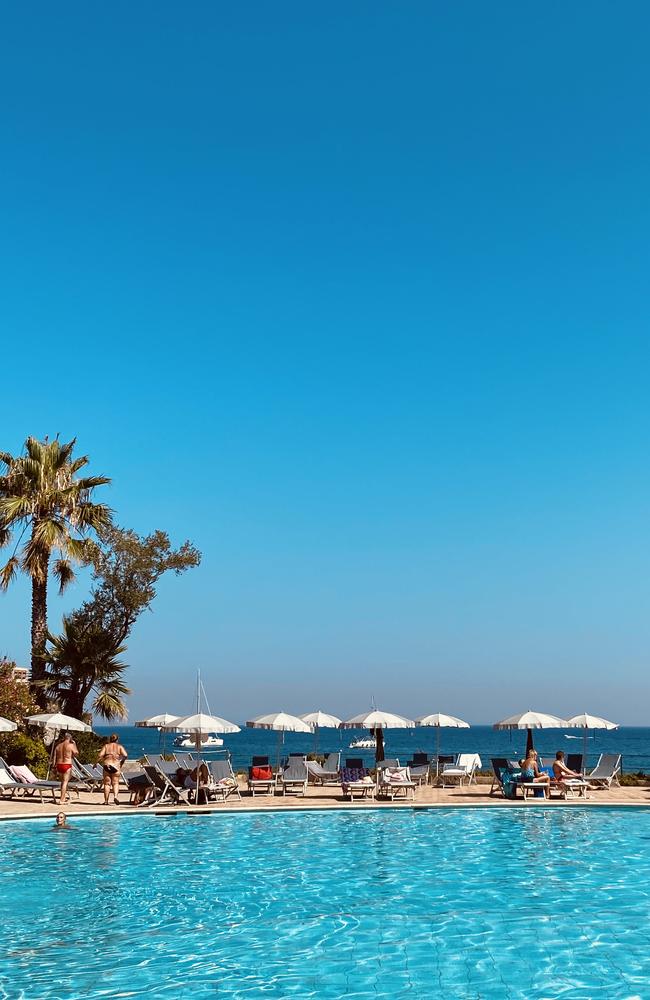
(493, 903)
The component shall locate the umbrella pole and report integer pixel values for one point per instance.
(437, 751)
(529, 741)
(584, 751)
(280, 740)
(379, 745)
(197, 744)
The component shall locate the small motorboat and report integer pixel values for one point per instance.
(186, 741)
(364, 743)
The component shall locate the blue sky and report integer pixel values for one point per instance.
(355, 298)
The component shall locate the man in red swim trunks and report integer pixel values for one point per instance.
(66, 749)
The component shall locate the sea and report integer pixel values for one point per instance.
(632, 742)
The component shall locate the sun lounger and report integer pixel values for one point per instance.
(185, 760)
(34, 786)
(356, 781)
(499, 765)
(575, 761)
(260, 777)
(319, 776)
(92, 774)
(294, 777)
(332, 762)
(463, 770)
(168, 767)
(393, 781)
(354, 763)
(24, 774)
(9, 785)
(223, 782)
(420, 768)
(606, 771)
(165, 790)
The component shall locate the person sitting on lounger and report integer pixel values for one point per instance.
(190, 779)
(530, 770)
(561, 771)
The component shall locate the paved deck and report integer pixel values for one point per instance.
(324, 798)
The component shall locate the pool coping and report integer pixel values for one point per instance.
(277, 808)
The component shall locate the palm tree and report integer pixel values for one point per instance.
(83, 661)
(41, 496)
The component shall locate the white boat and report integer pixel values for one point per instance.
(189, 742)
(364, 743)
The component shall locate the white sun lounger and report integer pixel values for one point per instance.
(294, 777)
(166, 792)
(463, 770)
(223, 782)
(393, 781)
(606, 771)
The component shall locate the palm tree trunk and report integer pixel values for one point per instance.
(39, 635)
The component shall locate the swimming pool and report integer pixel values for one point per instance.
(490, 903)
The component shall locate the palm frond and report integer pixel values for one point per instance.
(5, 535)
(62, 453)
(109, 706)
(78, 464)
(9, 572)
(14, 508)
(78, 550)
(35, 560)
(90, 482)
(7, 458)
(49, 533)
(64, 573)
(91, 515)
(34, 449)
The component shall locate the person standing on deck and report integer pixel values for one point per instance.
(65, 750)
(111, 758)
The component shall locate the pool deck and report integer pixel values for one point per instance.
(329, 797)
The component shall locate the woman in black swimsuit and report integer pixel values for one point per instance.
(111, 757)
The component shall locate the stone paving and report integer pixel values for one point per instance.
(323, 798)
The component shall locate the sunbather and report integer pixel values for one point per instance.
(530, 770)
(188, 779)
(561, 771)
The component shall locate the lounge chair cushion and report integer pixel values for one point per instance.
(23, 773)
(395, 775)
(261, 773)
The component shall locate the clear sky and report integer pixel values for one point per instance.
(355, 297)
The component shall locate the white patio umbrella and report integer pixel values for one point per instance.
(57, 723)
(439, 720)
(7, 726)
(280, 722)
(320, 720)
(377, 721)
(587, 722)
(199, 725)
(158, 722)
(531, 720)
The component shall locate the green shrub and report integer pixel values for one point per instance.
(88, 745)
(17, 748)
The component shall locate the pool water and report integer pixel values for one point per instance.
(481, 903)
